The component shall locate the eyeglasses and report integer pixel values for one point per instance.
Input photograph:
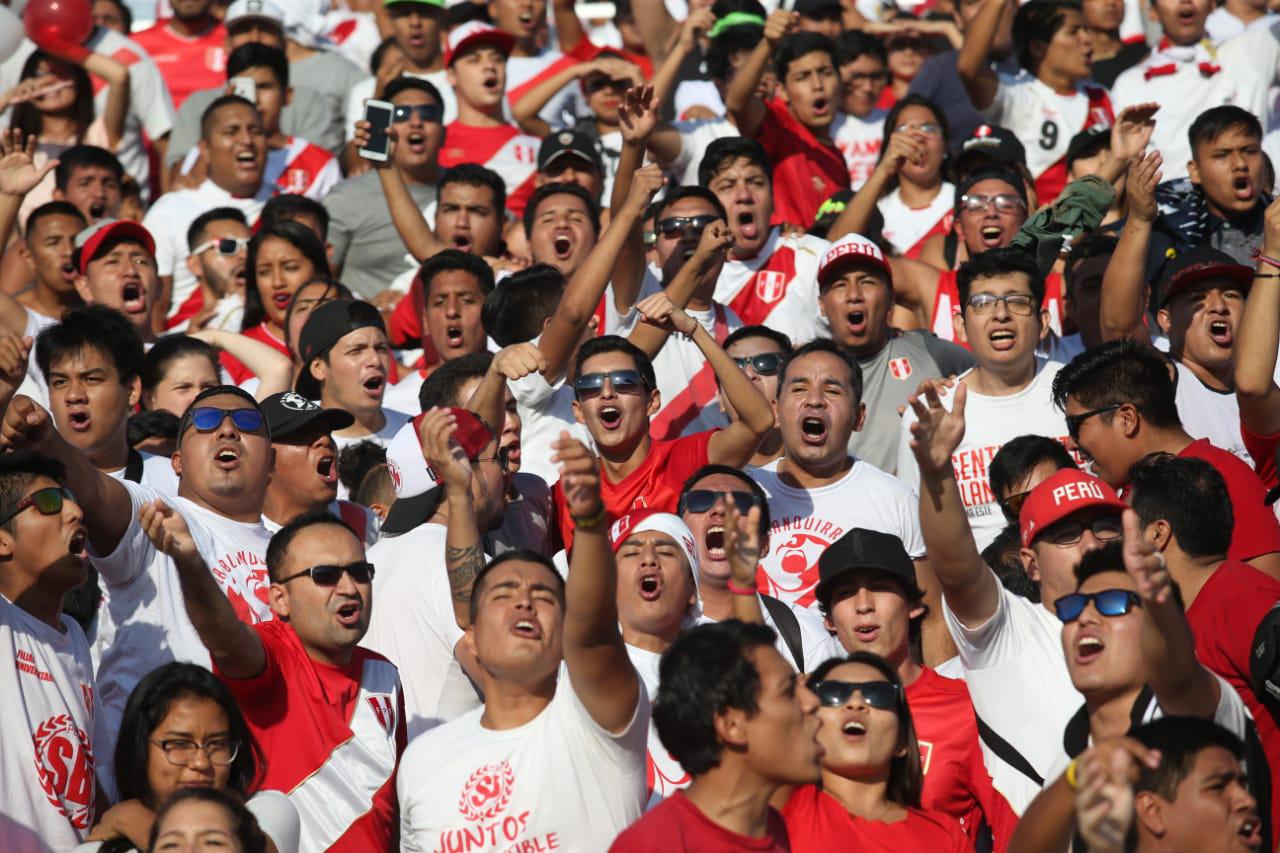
(702, 500)
(209, 418)
(430, 113)
(226, 246)
(1018, 304)
(877, 694)
(1074, 421)
(1066, 534)
(182, 752)
(591, 385)
(326, 575)
(764, 364)
(928, 128)
(1004, 202)
(685, 226)
(1012, 505)
(868, 76)
(48, 501)
(1108, 602)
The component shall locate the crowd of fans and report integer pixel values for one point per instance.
(687, 425)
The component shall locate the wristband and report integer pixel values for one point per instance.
(1070, 775)
(587, 522)
(1266, 259)
(741, 590)
(1267, 275)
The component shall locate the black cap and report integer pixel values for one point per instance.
(813, 8)
(995, 143)
(1087, 142)
(288, 412)
(861, 552)
(568, 143)
(1198, 264)
(215, 391)
(327, 325)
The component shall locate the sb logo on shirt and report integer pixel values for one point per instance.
(64, 762)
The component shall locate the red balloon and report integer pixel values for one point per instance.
(58, 22)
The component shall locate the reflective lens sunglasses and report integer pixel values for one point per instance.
(681, 226)
(361, 572)
(1012, 505)
(209, 418)
(1108, 602)
(226, 246)
(1004, 202)
(877, 694)
(591, 385)
(764, 364)
(1074, 421)
(1018, 304)
(1064, 535)
(702, 500)
(180, 753)
(430, 113)
(48, 501)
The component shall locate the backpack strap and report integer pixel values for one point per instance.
(1007, 752)
(788, 626)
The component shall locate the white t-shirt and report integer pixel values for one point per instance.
(1018, 680)
(361, 519)
(1211, 414)
(559, 781)
(413, 625)
(1222, 25)
(34, 384)
(803, 522)
(859, 140)
(777, 288)
(989, 422)
(363, 91)
(663, 774)
(816, 644)
(143, 620)
(48, 739)
(907, 227)
(1046, 121)
(695, 137)
(394, 420)
(171, 216)
(545, 411)
(403, 396)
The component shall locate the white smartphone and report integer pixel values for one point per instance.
(245, 87)
(378, 114)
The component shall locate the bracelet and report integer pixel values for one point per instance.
(741, 590)
(1070, 775)
(1266, 259)
(1267, 275)
(587, 522)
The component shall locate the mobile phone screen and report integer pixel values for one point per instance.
(380, 119)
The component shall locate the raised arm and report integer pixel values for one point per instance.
(904, 146)
(746, 107)
(599, 668)
(637, 118)
(1259, 339)
(706, 262)
(569, 29)
(656, 27)
(116, 73)
(406, 216)
(969, 587)
(18, 176)
(1122, 311)
(15, 350)
(272, 367)
(525, 111)
(742, 542)
(489, 400)
(1129, 139)
(236, 648)
(974, 61)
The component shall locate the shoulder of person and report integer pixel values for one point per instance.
(950, 357)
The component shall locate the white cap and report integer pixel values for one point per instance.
(849, 247)
(406, 464)
(264, 10)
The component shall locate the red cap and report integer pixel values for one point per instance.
(846, 250)
(473, 33)
(92, 238)
(1066, 492)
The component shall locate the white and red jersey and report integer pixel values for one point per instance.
(777, 288)
(503, 148)
(525, 73)
(663, 774)
(334, 734)
(188, 64)
(1046, 121)
(946, 303)
(859, 140)
(907, 228)
(301, 168)
(47, 733)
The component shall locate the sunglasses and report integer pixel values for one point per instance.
(1019, 304)
(209, 418)
(596, 83)
(591, 385)
(702, 500)
(1108, 602)
(1064, 535)
(48, 501)
(1074, 421)
(1012, 505)
(226, 246)
(1004, 202)
(430, 113)
(877, 694)
(685, 226)
(765, 364)
(361, 572)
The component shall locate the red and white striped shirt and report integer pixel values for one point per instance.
(301, 168)
(504, 149)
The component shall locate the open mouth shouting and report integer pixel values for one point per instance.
(867, 633)
(416, 141)
(526, 628)
(78, 545)
(133, 298)
(227, 457)
(821, 106)
(1220, 333)
(610, 417)
(327, 468)
(562, 245)
(853, 730)
(453, 338)
(280, 299)
(1088, 649)
(714, 542)
(748, 225)
(491, 83)
(1250, 832)
(856, 322)
(462, 241)
(349, 612)
(247, 160)
(374, 385)
(97, 210)
(992, 236)
(1002, 340)
(1242, 187)
(528, 22)
(813, 430)
(79, 420)
(68, 272)
(650, 585)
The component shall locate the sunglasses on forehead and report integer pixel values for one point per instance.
(682, 226)
(878, 694)
(47, 501)
(209, 418)
(591, 385)
(430, 113)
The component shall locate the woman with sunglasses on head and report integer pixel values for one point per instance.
(869, 797)
(182, 729)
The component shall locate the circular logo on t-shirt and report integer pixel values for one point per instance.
(487, 791)
(64, 762)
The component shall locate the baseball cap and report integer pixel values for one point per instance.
(417, 487)
(215, 391)
(1068, 491)
(810, 8)
(1087, 142)
(995, 143)
(289, 412)
(862, 551)
(850, 248)
(568, 143)
(94, 239)
(327, 325)
(1198, 264)
(475, 33)
(258, 10)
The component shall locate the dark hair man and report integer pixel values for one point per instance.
(89, 177)
(759, 351)
(116, 266)
(47, 246)
(217, 245)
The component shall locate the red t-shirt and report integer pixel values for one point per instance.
(655, 484)
(956, 781)
(806, 170)
(187, 64)
(1263, 449)
(1256, 531)
(677, 824)
(235, 368)
(503, 149)
(1223, 618)
(818, 822)
(327, 731)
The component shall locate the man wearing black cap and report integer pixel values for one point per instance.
(571, 157)
(115, 262)
(304, 474)
(819, 16)
(346, 359)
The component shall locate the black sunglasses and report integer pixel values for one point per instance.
(1074, 421)
(685, 226)
(430, 113)
(877, 694)
(591, 385)
(48, 501)
(361, 572)
(596, 82)
(702, 500)
(1109, 602)
(764, 364)
(1012, 505)
(209, 418)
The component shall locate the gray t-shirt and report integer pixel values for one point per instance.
(306, 118)
(365, 244)
(332, 76)
(892, 375)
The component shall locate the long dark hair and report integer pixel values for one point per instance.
(333, 289)
(146, 709)
(167, 350)
(244, 824)
(26, 116)
(891, 122)
(906, 779)
(301, 238)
